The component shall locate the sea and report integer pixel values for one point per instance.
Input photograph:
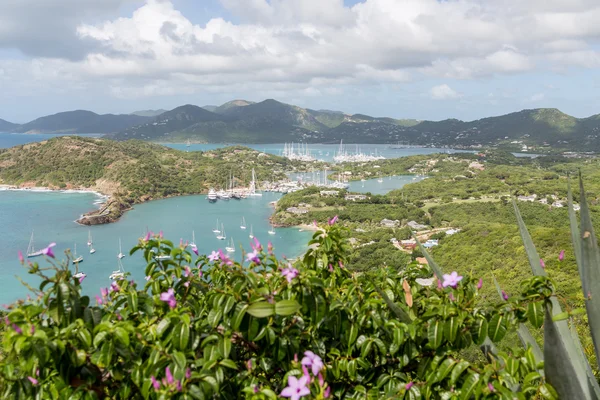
(51, 216)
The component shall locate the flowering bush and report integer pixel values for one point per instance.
(208, 327)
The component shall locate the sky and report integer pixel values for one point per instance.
(423, 59)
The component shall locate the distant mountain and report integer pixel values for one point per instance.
(6, 126)
(80, 121)
(241, 121)
(210, 108)
(149, 113)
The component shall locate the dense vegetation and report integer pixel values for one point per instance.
(204, 327)
(134, 170)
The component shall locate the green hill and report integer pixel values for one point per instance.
(6, 126)
(132, 171)
(81, 121)
(149, 113)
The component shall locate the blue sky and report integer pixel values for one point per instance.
(421, 59)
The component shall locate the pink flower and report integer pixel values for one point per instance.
(542, 263)
(98, 300)
(160, 234)
(491, 387)
(104, 292)
(330, 268)
(200, 273)
(312, 361)
(187, 271)
(214, 256)
(32, 380)
(82, 277)
(451, 296)
(480, 284)
(114, 286)
(253, 257)
(225, 258)
(296, 388)
(340, 264)
(21, 259)
(155, 383)
(17, 329)
(195, 249)
(289, 273)
(249, 364)
(169, 297)
(179, 386)
(321, 379)
(48, 250)
(256, 246)
(439, 284)
(270, 247)
(332, 220)
(295, 357)
(409, 385)
(327, 392)
(561, 255)
(451, 280)
(148, 236)
(188, 373)
(169, 375)
(147, 278)
(504, 295)
(32, 329)
(314, 222)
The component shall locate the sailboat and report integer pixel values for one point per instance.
(193, 244)
(231, 247)
(120, 255)
(31, 249)
(118, 274)
(222, 236)
(91, 243)
(188, 143)
(216, 230)
(272, 230)
(79, 275)
(76, 259)
(251, 235)
(243, 225)
(380, 179)
(253, 191)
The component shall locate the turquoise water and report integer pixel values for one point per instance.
(16, 139)
(52, 217)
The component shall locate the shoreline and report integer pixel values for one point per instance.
(42, 189)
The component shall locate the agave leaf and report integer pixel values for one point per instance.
(590, 268)
(590, 374)
(400, 313)
(575, 233)
(563, 362)
(436, 269)
(532, 254)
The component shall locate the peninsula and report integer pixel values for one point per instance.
(133, 171)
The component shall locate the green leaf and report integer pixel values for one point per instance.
(132, 300)
(286, 307)
(468, 387)
(497, 328)
(229, 364)
(122, 336)
(451, 328)
(480, 330)
(563, 316)
(261, 309)
(444, 369)
(575, 234)
(535, 313)
(181, 336)
(352, 335)
(528, 341)
(400, 313)
(458, 370)
(238, 315)
(435, 334)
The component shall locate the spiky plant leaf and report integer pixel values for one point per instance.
(399, 312)
(590, 268)
(575, 232)
(532, 254)
(563, 365)
(436, 269)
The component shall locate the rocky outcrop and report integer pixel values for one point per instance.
(111, 211)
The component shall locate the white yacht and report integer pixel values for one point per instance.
(222, 236)
(31, 252)
(91, 243)
(253, 191)
(272, 230)
(120, 255)
(212, 196)
(216, 230)
(243, 224)
(76, 260)
(118, 274)
(251, 235)
(231, 247)
(193, 244)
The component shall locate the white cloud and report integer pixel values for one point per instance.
(536, 98)
(299, 46)
(443, 92)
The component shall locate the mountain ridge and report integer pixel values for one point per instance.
(271, 121)
(6, 126)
